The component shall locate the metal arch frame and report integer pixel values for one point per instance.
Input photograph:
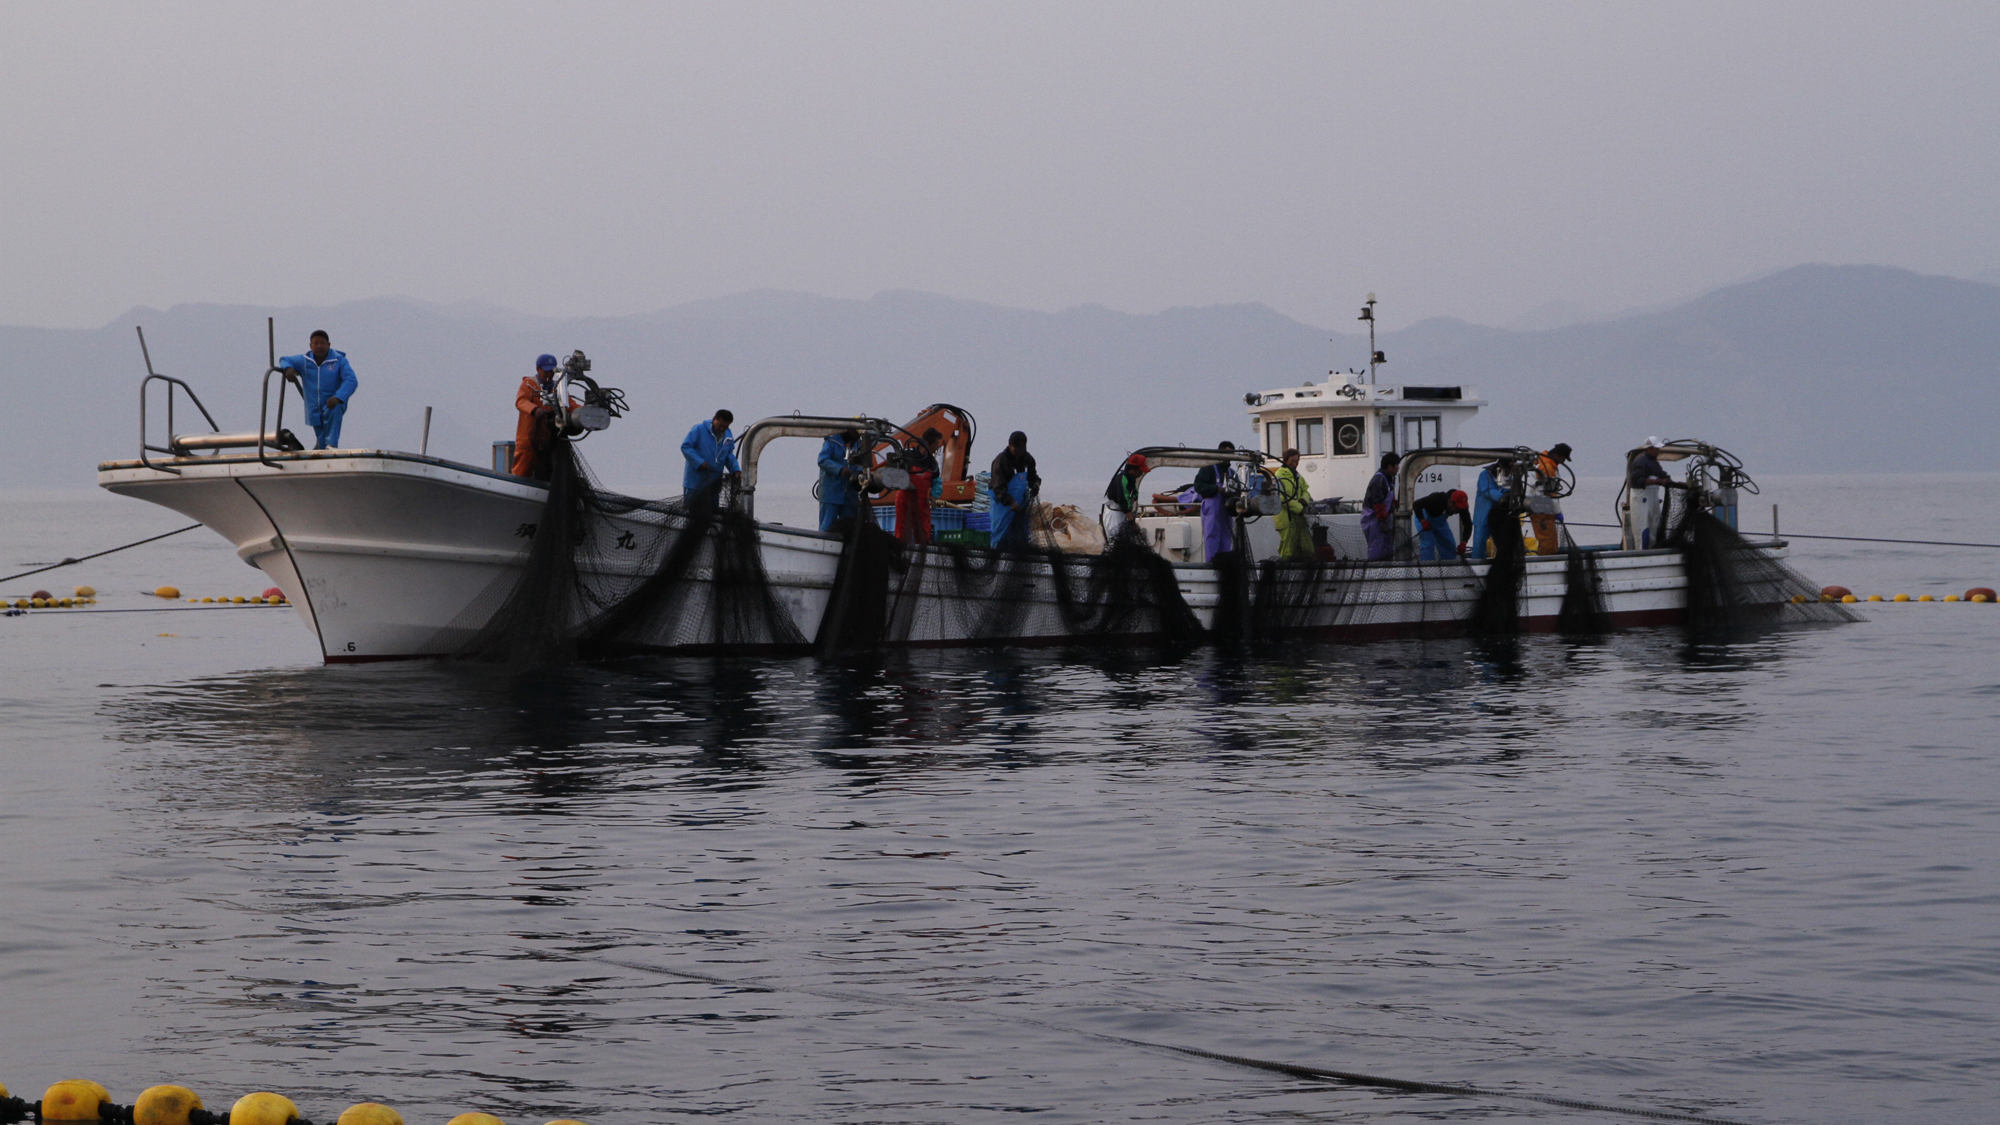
(764, 431)
(1416, 461)
(144, 446)
(1704, 455)
(1182, 457)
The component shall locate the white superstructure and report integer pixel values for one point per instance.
(1342, 427)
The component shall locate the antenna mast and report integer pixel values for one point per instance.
(1375, 358)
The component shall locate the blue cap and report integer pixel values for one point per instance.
(545, 362)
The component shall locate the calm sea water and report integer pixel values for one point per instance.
(1754, 880)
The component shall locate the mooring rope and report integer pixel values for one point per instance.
(101, 554)
(1296, 1070)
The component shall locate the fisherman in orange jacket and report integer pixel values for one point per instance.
(535, 432)
(1543, 510)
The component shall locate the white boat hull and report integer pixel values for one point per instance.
(393, 556)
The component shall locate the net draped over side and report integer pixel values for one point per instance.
(607, 575)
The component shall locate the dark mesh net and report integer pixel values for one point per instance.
(1496, 611)
(859, 609)
(1129, 589)
(1290, 599)
(1734, 585)
(1232, 622)
(607, 575)
(1583, 612)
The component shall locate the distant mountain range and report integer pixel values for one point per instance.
(1816, 368)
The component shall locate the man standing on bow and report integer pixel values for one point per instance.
(326, 381)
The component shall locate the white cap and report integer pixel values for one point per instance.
(1655, 443)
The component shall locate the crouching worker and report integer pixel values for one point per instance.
(1430, 518)
(1295, 541)
(326, 381)
(535, 429)
(710, 450)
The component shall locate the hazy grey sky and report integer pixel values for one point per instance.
(598, 158)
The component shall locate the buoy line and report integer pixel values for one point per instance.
(101, 554)
(1296, 1070)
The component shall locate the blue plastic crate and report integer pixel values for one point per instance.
(885, 517)
(948, 519)
(978, 521)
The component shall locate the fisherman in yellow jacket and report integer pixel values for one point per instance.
(1295, 542)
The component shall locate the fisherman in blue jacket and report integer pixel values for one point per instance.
(710, 450)
(326, 382)
(1491, 489)
(839, 490)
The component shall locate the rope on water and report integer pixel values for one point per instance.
(101, 554)
(1842, 538)
(1296, 1070)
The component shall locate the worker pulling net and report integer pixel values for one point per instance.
(608, 575)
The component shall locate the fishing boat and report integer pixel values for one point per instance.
(390, 555)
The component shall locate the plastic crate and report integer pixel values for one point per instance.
(885, 518)
(963, 538)
(948, 519)
(978, 521)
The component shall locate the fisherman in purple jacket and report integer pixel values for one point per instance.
(1377, 508)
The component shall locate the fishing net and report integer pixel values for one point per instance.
(858, 611)
(606, 575)
(1496, 612)
(1733, 585)
(1128, 589)
(1583, 612)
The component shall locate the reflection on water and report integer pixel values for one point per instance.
(1575, 867)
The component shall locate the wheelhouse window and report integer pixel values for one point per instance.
(1422, 432)
(1274, 438)
(1312, 436)
(1350, 436)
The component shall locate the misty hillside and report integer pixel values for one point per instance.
(1814, 368)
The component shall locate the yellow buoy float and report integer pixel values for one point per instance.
(1850, 599)
(369, 1113)
(73, 1099)
(466, 1119)
(1900, 598)
(165, 1105)
(263, 1108)
(167, 592)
